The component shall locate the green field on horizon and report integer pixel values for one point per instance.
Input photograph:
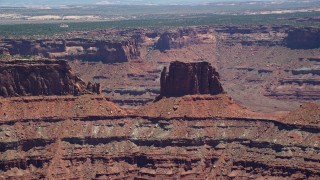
(159, 21)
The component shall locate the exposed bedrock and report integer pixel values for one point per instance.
(288, 36)
(189, 78)
(301, 84)
(251, 35)
(190, 137)
(41, 77)
(130, 147)
(109, 51)
(126, 44)
(301, 88)
(304, 38)
(88, 137)
(183, 37)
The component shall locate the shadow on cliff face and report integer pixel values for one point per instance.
(42, 77)
(74, 48)
(188, 79)
(202, 136)
(307, 38)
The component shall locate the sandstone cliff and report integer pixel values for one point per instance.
(189, 78)
(288, 36)
(107, 51)
(251, 35)
(303, 38)
(190, 137)
(183, 37)
(43, 77)
(93, 139)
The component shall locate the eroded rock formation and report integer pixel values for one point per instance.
(252, 35)
(303, 38)
(107, 51)
(189, 78)
(190, 137)
(307, 113)
(93, 139)
(184, 37)
(41, 77)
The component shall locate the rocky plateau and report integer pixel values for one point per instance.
(275, 64)
(191, 136)
(260, 61)
(61, 119)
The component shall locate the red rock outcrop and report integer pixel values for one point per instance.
(189, 78)
(93, 139)
(107, 51)
(303, 87)
(252, 35)
(183, 37)
(41, 77)
(308, 113)
(190, 137)
(173, 39)
(220, 105)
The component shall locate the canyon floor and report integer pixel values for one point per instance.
(257, 68)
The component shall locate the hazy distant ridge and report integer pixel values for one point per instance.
(51, 3)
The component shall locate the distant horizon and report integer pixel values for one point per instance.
(50, 3)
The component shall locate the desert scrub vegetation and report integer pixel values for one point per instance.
(5, 57)
(159, 21)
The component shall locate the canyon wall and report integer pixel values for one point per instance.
(251, 35)
(190, 137)
(41, 77)
(288, 36)
(183, 37)
(123, 45)
(111, 145)
(303, 38)
(106, 51)
(246, 35)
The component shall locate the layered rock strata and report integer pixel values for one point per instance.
(190, 137)
(184, 37)
(252, 35)
(263, 48)
(189, 78)
(296, 89)
(107, 143)
(106, 51)
(303, 38)
(41, 77)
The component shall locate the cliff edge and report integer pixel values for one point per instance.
(190, 78)
(41, 77)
